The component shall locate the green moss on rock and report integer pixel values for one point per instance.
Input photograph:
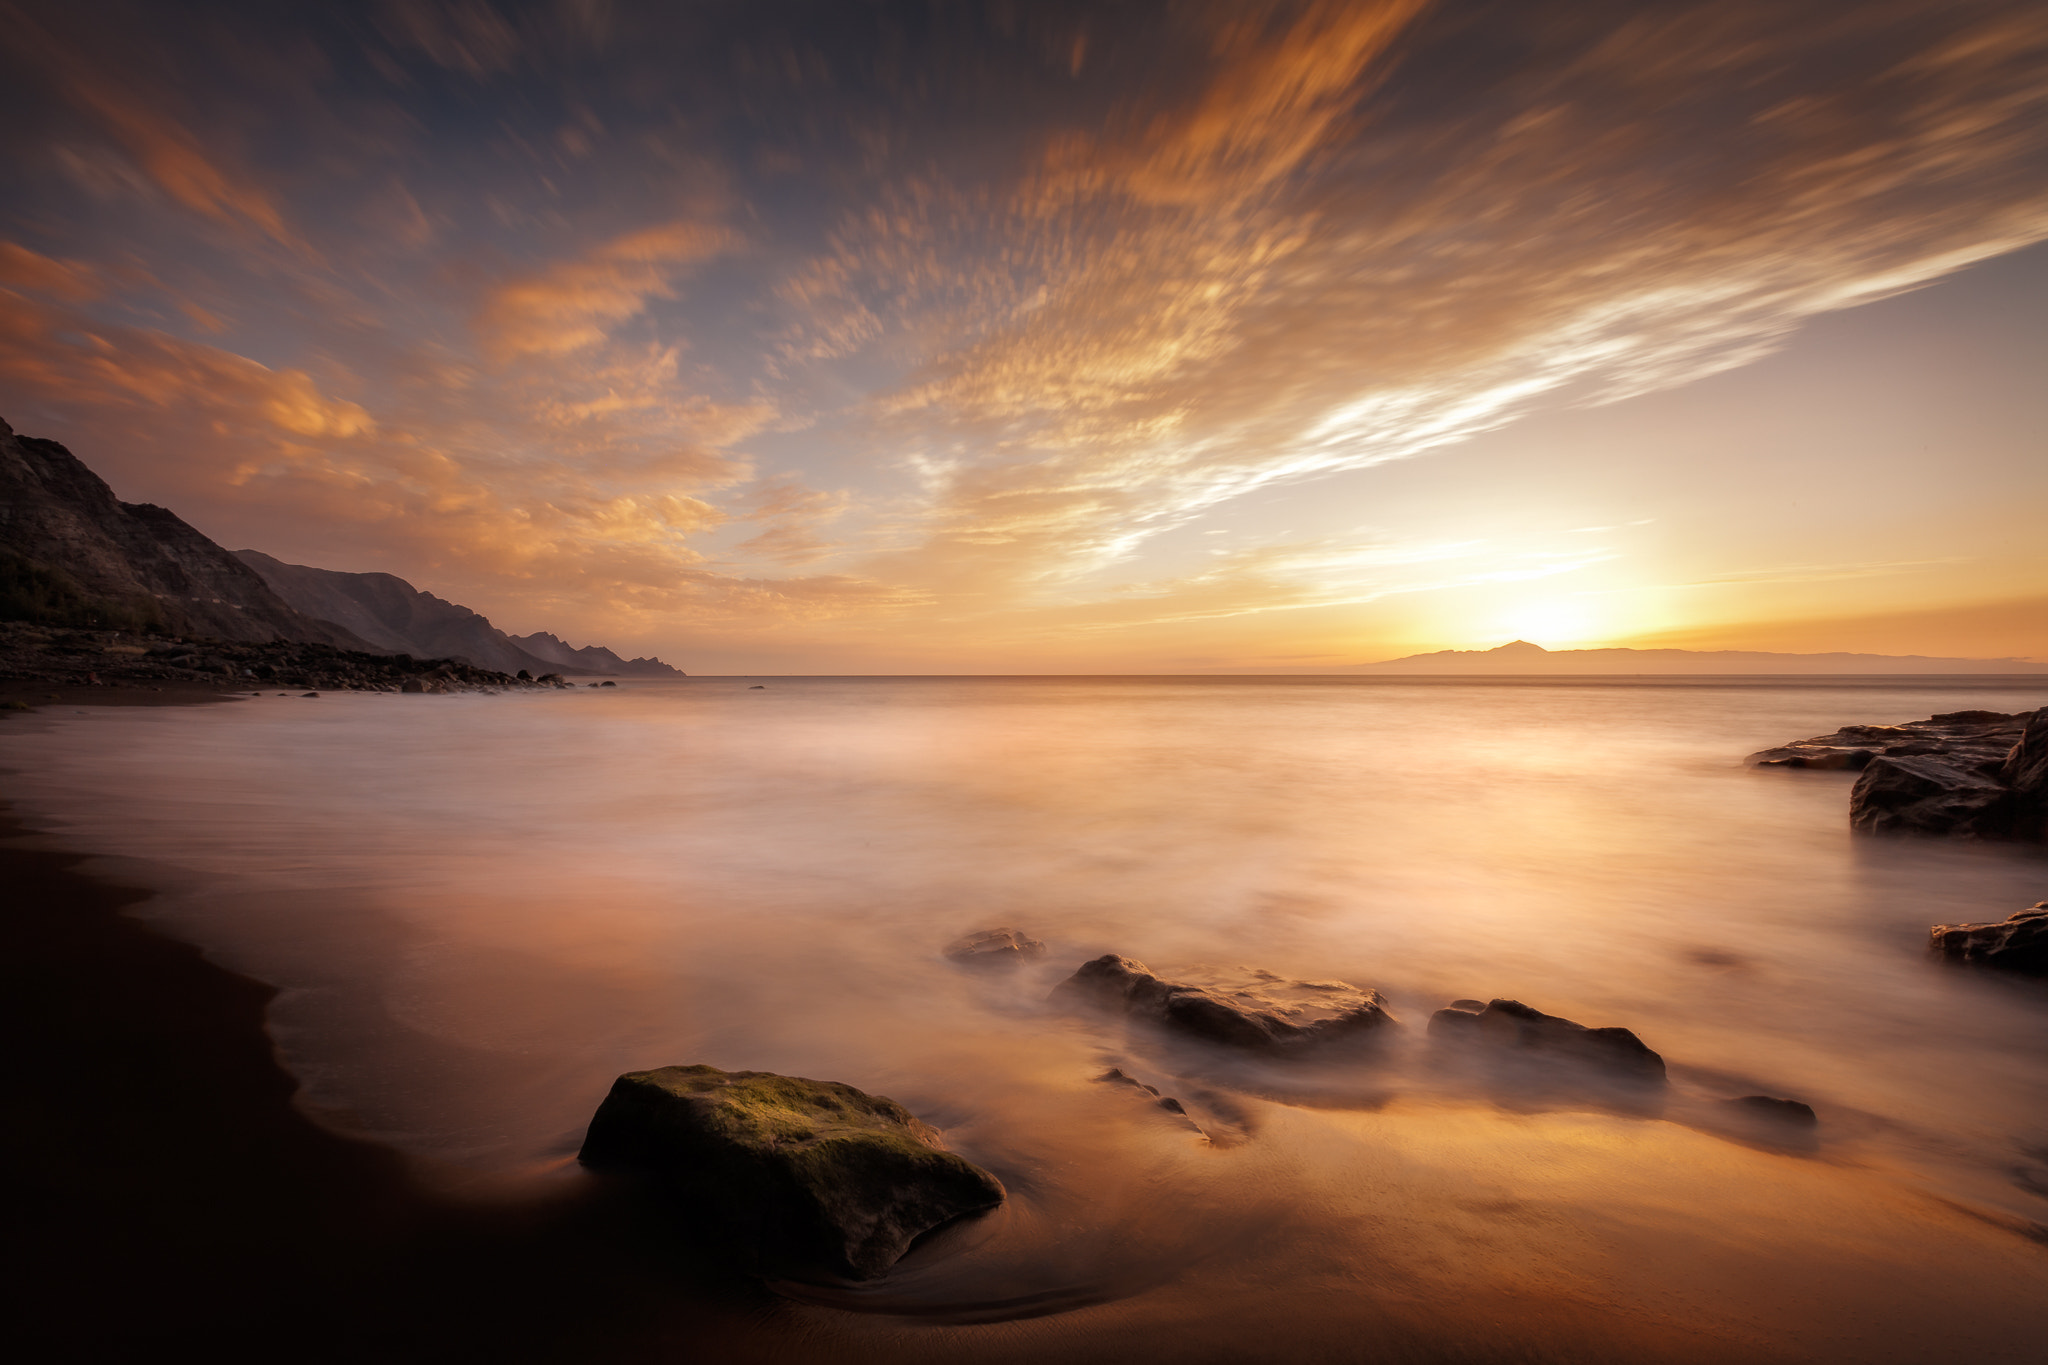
(798, 1176)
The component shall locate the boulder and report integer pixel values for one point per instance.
(2025, 770)
(1921, 795)
(796, 1177)
(2018, 943)
(1981, 774)
(1795, 1112)
(1256, 1011)
(1001, 948)
(1511, 1026)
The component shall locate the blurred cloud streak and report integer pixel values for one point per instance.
(972, 313)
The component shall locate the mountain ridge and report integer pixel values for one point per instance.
(392, 613)
(74, 555)
(73, 549)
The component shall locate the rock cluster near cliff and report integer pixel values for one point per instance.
(1972, 773)
(31, 656)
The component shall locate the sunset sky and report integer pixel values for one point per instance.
(1011, 336)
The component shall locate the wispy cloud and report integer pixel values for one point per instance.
(571, 305)
(530, 296)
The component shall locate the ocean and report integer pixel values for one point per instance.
(480, 909)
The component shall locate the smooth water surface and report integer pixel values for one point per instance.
(483, 908)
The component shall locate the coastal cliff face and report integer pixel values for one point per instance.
(75, 548)
(393, 615)
(591, 658)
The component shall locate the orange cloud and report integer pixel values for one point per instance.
(67, 358)
(72, 281)
(1260, 284)
(178, 164)
(232, 443)
(572, 304)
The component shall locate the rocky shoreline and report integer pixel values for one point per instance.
(1973, 774)
(43, 656)
(1962, 774)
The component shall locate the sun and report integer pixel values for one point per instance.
(1554, 623)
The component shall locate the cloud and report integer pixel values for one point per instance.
(469, 36)
(792, 517)
(1329, 572)
(1024, 290)
(572, 305)
(1319, 262)
(428, 491)
(72, 281)
(66, 358)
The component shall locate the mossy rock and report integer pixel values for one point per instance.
(796, 1176)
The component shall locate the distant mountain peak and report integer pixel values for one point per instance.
(1518, 647)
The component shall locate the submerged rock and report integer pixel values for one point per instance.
(994, 948)
(2018, 943)
(1116, 1076)
(1794, 1112)
(1253, 1010)
(1512, 1025)
(800, 1176)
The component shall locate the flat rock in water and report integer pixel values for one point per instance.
(798, 1176)
(1256, 1011)
(1967, 738)
(994, 948)
(2018, 943)
(1511, 1025)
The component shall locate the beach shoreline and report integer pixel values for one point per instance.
(174, 1166)
(170, 1191)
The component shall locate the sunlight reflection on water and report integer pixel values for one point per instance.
(481, 909)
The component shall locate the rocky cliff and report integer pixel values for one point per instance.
(72, 554)
(394, 615)
(591, 658)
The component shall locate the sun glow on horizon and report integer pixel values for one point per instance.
(1557, 623)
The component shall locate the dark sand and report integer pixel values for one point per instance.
(169, 1199)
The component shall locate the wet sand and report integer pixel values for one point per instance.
(168, 1195)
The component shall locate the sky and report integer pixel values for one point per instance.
(999, 336)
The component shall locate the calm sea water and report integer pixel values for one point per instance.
(480, 909)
